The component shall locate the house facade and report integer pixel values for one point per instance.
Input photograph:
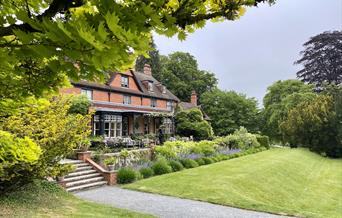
(129, 103)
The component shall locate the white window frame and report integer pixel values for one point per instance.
(88, 93)
(150, 86)
(127, 99)
(167, 123)
(114, 126)
(96, 121)
(169, 105)
(124, 81)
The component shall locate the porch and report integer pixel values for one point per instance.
(125, 127)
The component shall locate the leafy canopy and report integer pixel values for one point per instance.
(279, 99)
(181, 75)
(44, 41)
(230, 110)
(322, 59)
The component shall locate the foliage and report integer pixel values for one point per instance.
(126, 175)
(43, 42)
(321, 59)
(161, 166)
(111, 161)
(200, 161)
(263, 140)
(153, 60)
(189, 163)
(146, 172)
(176, 165)
(230, 110)
(207, 160)
(79, 105)
(314, 125)
(281, 97)
(191, 123)
(241, 139)
(180, 73)
(52, 128)
(18, 157)
(204, 147)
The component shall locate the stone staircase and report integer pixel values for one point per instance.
(84, 177)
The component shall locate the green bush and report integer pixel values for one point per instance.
(18, 159)
(126, 175)
(176, 165)
(263, 140)
(189, 163)
(208, 160)
(204, 147)
(79, 104)
(161, 166)
(146, 172)
(200, 161)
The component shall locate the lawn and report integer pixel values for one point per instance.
(43, 199)
(284, 181)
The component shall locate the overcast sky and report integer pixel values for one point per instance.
(250, 54)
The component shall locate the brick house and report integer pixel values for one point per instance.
(129, 103)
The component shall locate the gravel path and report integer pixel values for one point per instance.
(164, 206)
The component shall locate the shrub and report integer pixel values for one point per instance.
(215, 159)
(191, 123)
(200, 161)
(176, 165)
(146, 172)
(126, 175)
(18, 158)
(263, 140)
(52, 128)
(204, 147)
(79, 104)
(189, 163)
(242, 139)
(207, 160)
(161, 167)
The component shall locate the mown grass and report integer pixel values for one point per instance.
(284, 181)
(44, 199)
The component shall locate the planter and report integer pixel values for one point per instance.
(60, 178)
(111, 167)
(83, 155)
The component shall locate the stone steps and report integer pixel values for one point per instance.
(83, 177)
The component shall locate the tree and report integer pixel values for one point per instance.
(191, 123)
(228, 111)
(153, 60)
(279, 99)
(181, 75)
(44, 42)
(322, 59)
(314, 125)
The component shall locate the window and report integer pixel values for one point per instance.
(113, 126)
(153, 102)
(163, 89)
(169, 105)
(150, 86)
(124, 81)
(96, 127)
(88, 93)
(167, 123)
(127, 99)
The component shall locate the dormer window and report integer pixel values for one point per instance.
(124, 81)
(163, 89)
(150, 86)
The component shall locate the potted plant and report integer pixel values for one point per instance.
(110, 163)
(63, 170)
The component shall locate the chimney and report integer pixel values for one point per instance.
(194, 98)
(147, 70)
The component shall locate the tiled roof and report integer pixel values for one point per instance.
(139, 78)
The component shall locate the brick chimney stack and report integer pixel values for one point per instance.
(147, 69)
(194, 98)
